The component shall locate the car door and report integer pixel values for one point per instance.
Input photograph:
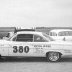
(21, 45)
(39, 43)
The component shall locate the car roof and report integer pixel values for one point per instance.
(60, 30)
(19, 30)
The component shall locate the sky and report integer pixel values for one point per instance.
(36, 13)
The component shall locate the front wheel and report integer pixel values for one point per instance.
(53, 56)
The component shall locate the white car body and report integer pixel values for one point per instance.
(34, 49)
(61, 34)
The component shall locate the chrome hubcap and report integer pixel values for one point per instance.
(53, 56)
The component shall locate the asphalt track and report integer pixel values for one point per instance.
(35, 65)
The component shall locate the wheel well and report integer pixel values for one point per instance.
(0, 55)
(52, 51)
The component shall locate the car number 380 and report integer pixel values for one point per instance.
(20, 49)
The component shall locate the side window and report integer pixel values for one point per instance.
(62, 33)
(38, 38)
(53, 34)
(65, 33)
(23, 38)
(69, 33)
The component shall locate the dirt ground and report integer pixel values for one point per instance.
(35, 65)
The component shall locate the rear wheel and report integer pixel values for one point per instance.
(53, 56)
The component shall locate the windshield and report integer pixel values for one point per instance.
(11, 37)
(47, 36)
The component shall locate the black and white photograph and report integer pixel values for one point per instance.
(35, 35)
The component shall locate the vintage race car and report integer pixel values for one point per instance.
(35, 44)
